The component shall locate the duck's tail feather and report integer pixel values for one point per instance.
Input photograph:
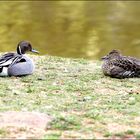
(119, 72)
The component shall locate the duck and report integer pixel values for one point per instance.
(118, 66)
(17, 63)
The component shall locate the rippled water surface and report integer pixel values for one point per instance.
(86, 29)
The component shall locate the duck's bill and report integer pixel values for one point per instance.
(103, 58)
(34, 51)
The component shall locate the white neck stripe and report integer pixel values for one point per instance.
(19, 49)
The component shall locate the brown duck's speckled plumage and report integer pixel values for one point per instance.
(118, 66)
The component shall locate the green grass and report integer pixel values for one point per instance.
(83, 102)
(3, 133)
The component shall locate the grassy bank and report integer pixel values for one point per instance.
(83, 102)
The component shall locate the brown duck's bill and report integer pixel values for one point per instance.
(34, 51)
(103, 58)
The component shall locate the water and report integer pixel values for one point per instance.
(87, 29)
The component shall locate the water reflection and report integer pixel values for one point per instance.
(86, 29)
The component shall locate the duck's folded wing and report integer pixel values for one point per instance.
(119, 72)
(15, 60)
(133, 60)
(9, 59)
(125, 67)
(126, 64)
(6, 59)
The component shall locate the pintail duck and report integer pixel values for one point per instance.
(118, 66)
(17, 64)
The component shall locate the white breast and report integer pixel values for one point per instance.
(4, 71)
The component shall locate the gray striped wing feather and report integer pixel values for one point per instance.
(9, 59)
(126, 67)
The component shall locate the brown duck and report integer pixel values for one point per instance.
(118, 66)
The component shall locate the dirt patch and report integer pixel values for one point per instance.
(116, 128)
(76, 135)
(24, 124)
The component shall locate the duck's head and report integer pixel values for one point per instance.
(113, 54)
(25, 46)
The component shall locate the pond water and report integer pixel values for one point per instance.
(87, 29)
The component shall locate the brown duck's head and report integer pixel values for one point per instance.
(111, 55)
(25, 46)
